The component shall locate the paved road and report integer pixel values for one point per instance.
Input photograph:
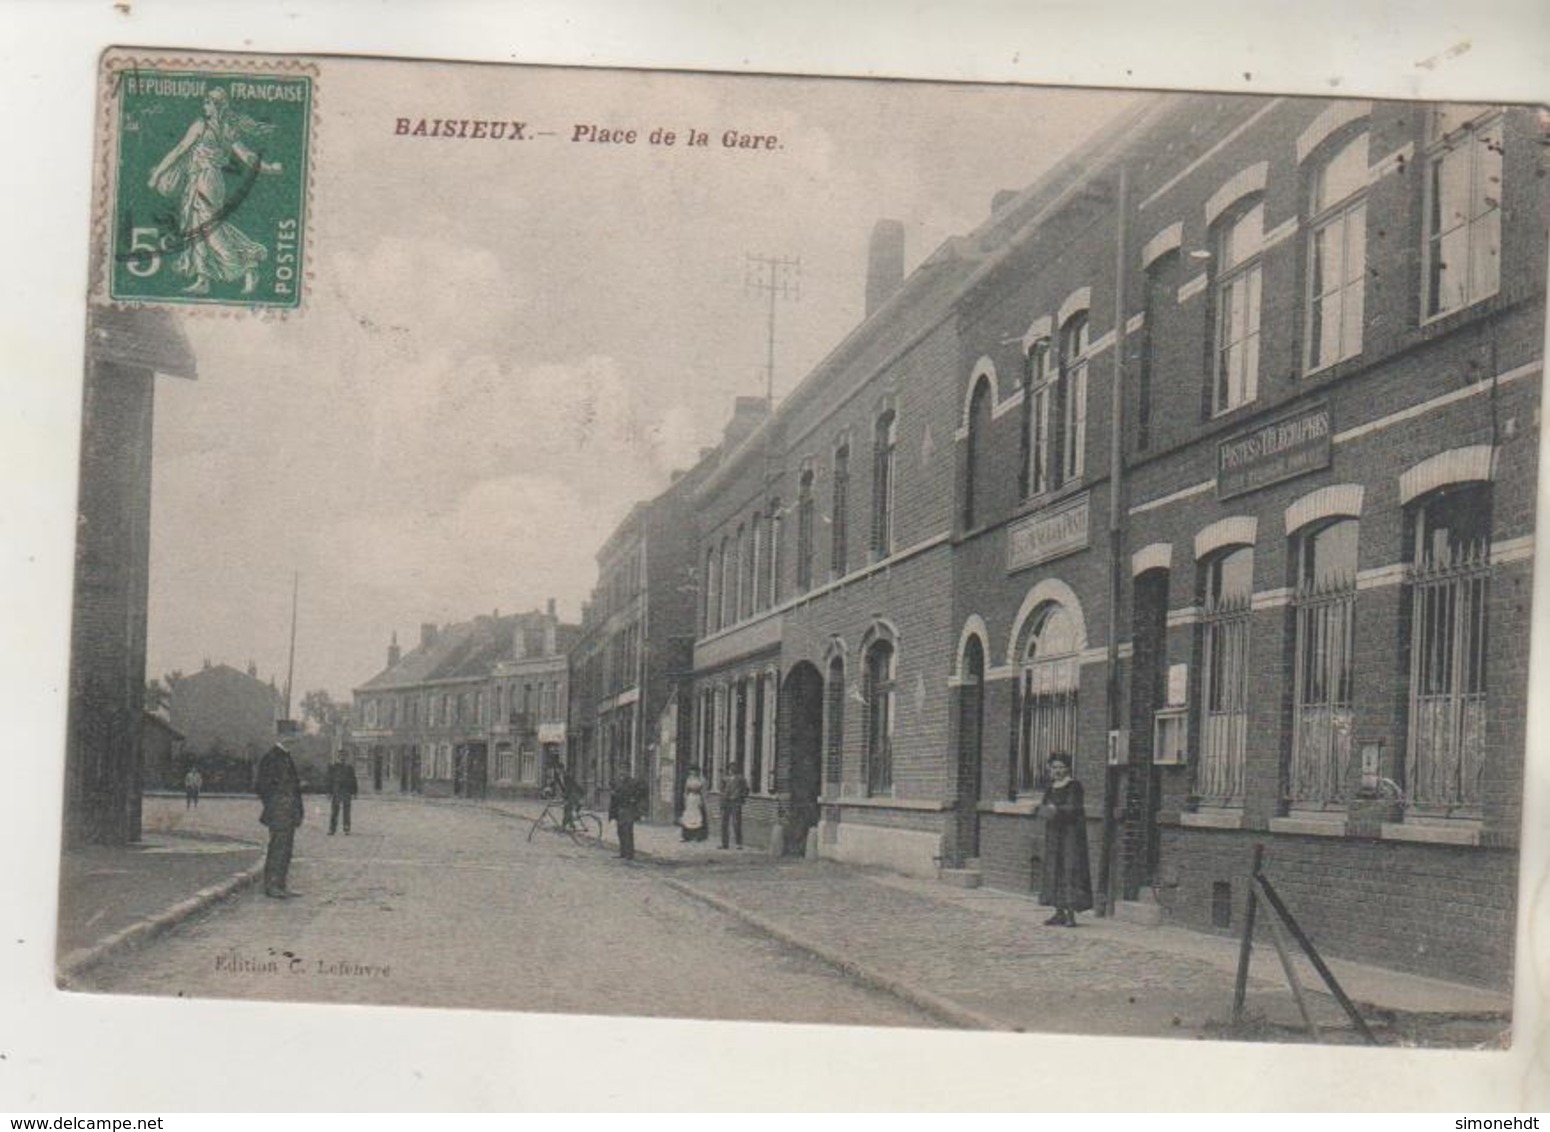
(444, 904)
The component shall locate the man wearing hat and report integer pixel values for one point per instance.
(279, 787)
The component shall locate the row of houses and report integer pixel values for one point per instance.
(1208, 459)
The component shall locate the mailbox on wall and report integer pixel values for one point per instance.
(1170, 737)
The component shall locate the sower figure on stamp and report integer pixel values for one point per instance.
(624, 807)
(1067, 879)
(342, 789)
(279, 786)
(733, 794)
(194, 173)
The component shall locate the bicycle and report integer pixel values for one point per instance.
(584, 826)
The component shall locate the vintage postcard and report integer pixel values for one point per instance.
(805, 550)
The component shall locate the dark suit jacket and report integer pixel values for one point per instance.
(341, 780)
(279, 786)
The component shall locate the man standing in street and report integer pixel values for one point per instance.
(342, 789)
(624, 807)
(734, 793)
(192, 781)
(279, 786)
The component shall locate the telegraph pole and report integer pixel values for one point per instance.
(778, 277)
(290, 667)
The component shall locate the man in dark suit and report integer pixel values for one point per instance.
(734, 792)
(279, 786)
(625, 805)
(342, 789)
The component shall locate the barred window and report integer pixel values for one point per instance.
(1047, 695)
(1324, 618)
(885, 441)
(839, 527)
(805, 532)
(1228, 584)
(1036, 423)
(1449, 581)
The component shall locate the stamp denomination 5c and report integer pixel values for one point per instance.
(210, 172)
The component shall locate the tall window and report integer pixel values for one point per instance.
(834, 722)
(1337, 256)
(745, 574)
(975, 479)
(1449, 576)
(756, 736)
(1324, 619)
(1236, 369)
(1463, 208)
(1154, 302)
(880, 717)
(756, 567)
(712, 592)
(805, 532)
(1072, 398)
(728, 583)
(839, 527)
(885, 440)
(777, 520)
(1047, 690)
(1036, 418)
(771, 702)
(1228, 582)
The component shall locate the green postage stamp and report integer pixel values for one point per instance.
(210, 175)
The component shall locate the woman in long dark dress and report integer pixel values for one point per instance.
(1067, 882)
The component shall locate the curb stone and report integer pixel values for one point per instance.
(938, 1007)
(83, 959)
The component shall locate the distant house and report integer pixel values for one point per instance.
(225, 713)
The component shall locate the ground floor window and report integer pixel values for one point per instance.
(880, 716)
(1324, 623)
(1448, 584)
(527, 766)
(1228, 582)
(1047, 695)
(505, 763)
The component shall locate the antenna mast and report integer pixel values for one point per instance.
(777, 277)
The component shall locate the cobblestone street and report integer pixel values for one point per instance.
(445, 904)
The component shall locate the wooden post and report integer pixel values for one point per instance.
(1313, 956)
(1240, 990)
(1292, 979)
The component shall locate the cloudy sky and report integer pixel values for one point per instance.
(504, 346)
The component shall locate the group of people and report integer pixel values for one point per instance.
(278, 786)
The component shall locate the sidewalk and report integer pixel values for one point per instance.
(975, 958)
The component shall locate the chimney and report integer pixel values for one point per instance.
(427, 634)
(885, 263)
(549, 609)
(747, 414)
(394, 652)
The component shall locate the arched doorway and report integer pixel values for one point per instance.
(971, 728)
(801, 715)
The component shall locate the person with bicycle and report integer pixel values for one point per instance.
(570, 793)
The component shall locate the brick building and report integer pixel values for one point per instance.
(1209, 459)
(125, 350)
(477, 707)
(225, 712)
(631, 662)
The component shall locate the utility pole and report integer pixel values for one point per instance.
(778, 277)
(290, 668)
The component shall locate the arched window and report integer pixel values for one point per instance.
(880, 716)
(1156, 298)
(1047, 694)
(834, 722)
(839, 527)
(1450, 570)
(975, 477)
(1227, 591)
(744, 574)
(1323, 626)
(805, 532)
(1337, 255)
(885, 441)
(1240, 242)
